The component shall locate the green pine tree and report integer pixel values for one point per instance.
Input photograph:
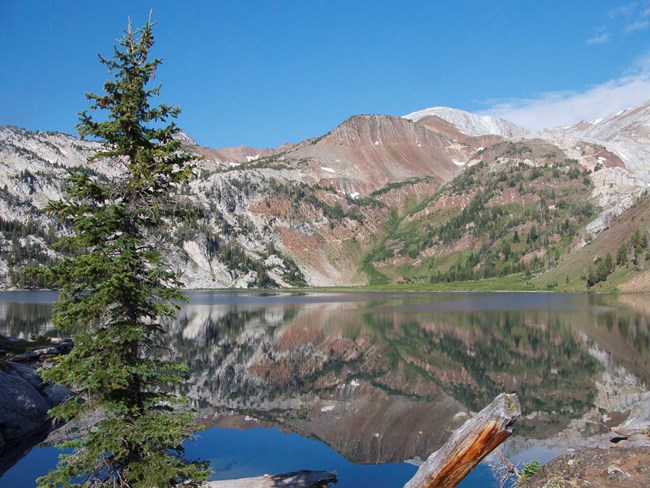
(117, 291)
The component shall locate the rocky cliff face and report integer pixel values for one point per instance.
(33, 168)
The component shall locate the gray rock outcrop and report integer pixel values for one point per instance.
(24, 404)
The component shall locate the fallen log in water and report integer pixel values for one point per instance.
(297, 479)
(474, 440)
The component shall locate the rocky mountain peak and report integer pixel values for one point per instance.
(185, 139)
(470, 123)
(633, 123)
(625, 133)
(376, 130)
(366, 152)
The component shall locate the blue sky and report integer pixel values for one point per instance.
(261, 73)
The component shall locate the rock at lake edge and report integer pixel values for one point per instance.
(24, 409)
(596, 468)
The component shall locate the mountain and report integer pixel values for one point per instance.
(367, 152)
(231, 156)
(627, 133)
(437, 195)
(538, 205)
(470, 123)
(622, 145)
(185, 138)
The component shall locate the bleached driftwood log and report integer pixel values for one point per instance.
(297, 479)
(474, 440)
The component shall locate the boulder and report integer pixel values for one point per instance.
(24, 404)
(23, 408)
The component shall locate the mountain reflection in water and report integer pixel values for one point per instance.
(384, 377)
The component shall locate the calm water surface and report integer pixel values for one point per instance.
(359, 382)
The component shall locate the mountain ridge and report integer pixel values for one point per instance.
(470, 123)
(626, 133)
(315, 212)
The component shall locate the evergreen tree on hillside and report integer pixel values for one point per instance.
(117, 290)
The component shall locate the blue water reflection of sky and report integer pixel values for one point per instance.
(239, 454)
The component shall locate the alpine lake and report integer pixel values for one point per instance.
(366, 383)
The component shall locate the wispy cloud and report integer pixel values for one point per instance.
(624, 19)
(638, 25)
(624, 10)
(555, 109)
(598, 39)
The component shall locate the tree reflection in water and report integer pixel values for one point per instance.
(384, 377)
(389, 376)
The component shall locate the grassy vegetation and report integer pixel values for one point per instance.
(624, 242)
(517, 282)
(400, 184)
(499, 219)
(375, 277)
